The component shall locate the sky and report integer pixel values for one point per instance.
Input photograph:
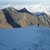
(3, 2)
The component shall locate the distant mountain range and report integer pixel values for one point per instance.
(12, 18)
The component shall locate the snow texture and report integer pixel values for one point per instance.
(28, 38)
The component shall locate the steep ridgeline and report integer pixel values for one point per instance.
(43, 18)
(3, 22)
(22, 18)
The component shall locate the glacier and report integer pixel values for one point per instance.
(27, 38)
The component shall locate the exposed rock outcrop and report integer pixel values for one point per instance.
(21, 18)
(3, 22)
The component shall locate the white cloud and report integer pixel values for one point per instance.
(5, 6)
(32, 8)
(36, 8)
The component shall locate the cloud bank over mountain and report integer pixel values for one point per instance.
(32, 8)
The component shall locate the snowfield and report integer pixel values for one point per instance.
(28, 38)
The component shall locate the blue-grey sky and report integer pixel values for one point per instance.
(2, 2)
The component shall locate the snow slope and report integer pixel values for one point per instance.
(28, 38)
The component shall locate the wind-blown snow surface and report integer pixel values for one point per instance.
(28, 38)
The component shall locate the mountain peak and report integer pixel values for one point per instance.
(23, 10)
(10, 8)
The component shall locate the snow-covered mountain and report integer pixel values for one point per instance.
(28, 38)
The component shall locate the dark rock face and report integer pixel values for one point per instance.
(3, 22)
(21, 18)
(24, 10)
(9, 19)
